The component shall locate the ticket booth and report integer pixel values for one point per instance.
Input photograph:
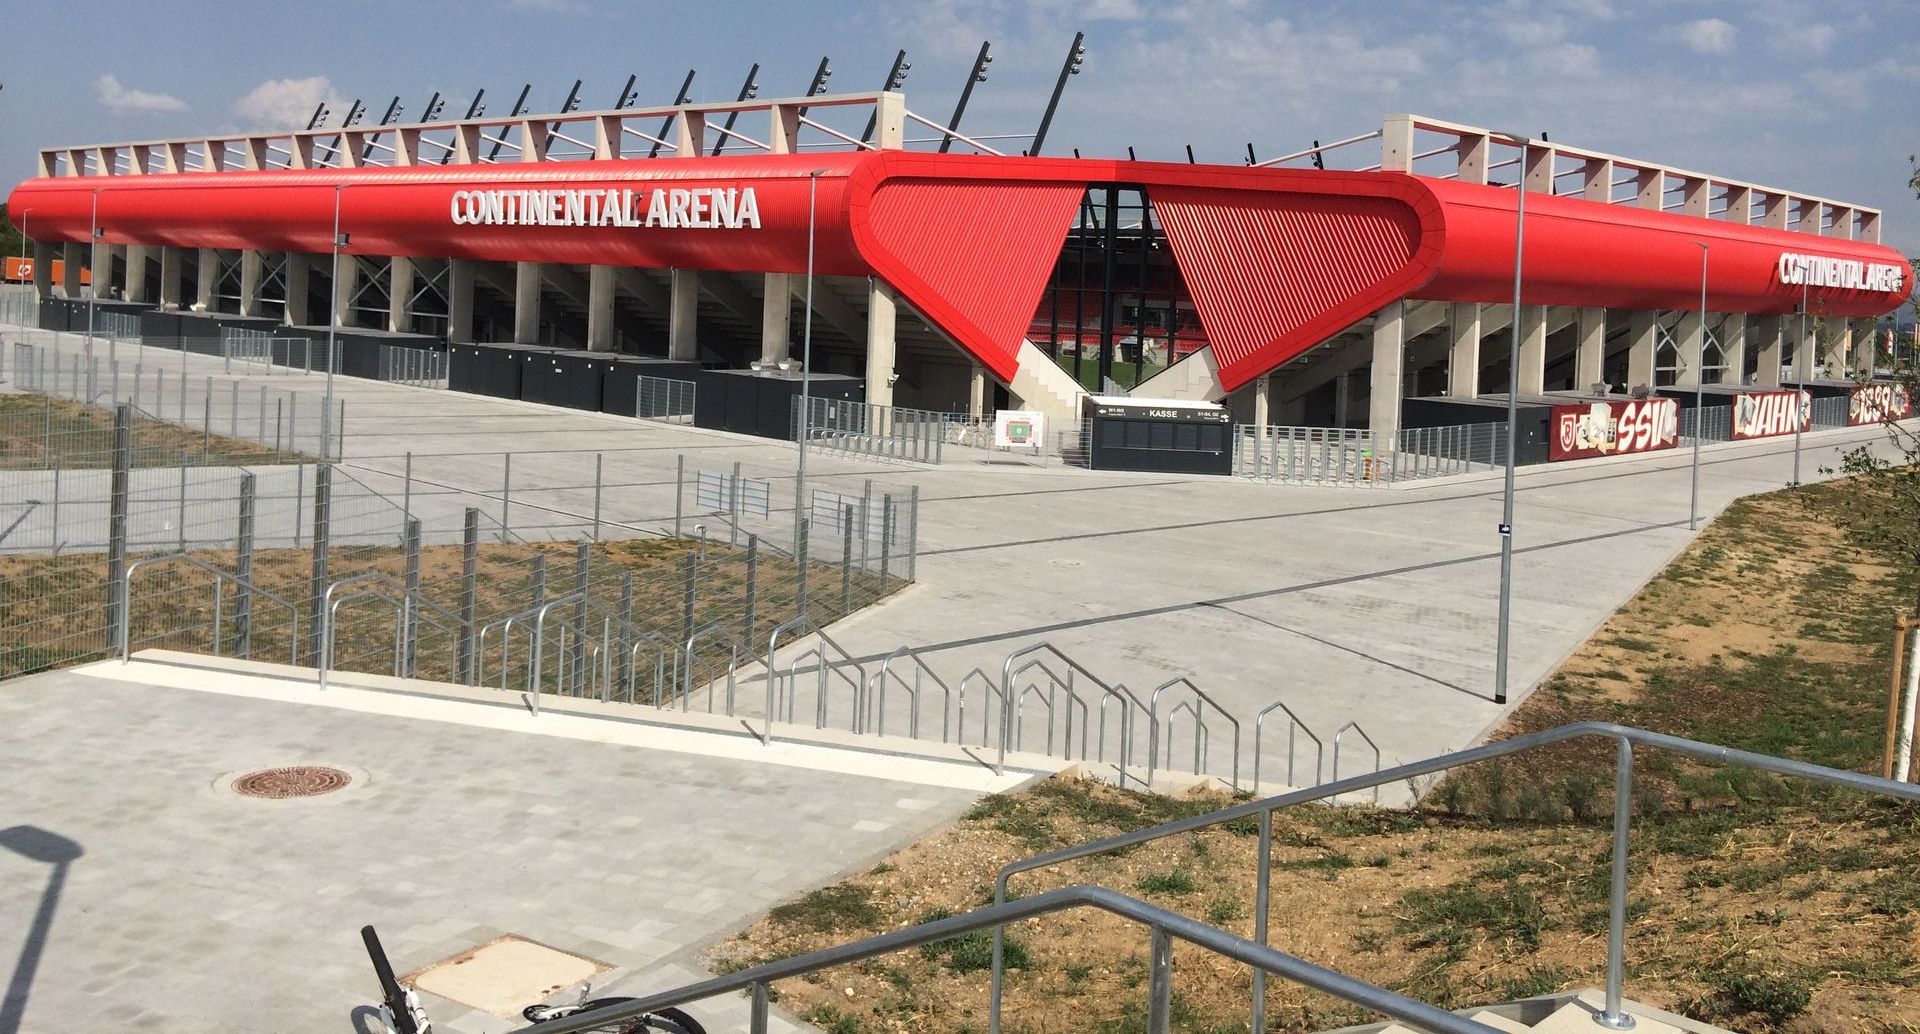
(1168, 436)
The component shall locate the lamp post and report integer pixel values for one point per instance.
(1699, 394)
(1799, 385)
(93, 289)
(806, 367)
(1513, 416)
(333, 322)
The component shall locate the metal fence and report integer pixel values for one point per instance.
(262, 352)
(871, 431)
(1832, 411)
(1709, 424)
(419, 367)
(664, 399)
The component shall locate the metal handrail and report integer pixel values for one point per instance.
(1263, 810)
(126, 600)
(406, 601)
(1293, 723)
(1355, 726)
(1121, 693)
(1153, 725)
(1164, 927)
(773, 673)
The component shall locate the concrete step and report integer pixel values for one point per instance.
(738, 737)
(1499, 1022)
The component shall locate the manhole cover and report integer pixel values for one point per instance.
(298, 781)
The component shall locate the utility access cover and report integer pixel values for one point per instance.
(505, 975)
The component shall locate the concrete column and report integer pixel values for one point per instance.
(1733, 346)
(102, 267)
(1263, 400)
(882, 307)
(459, 300)
(1389, 371)
(1342, 400)
(776, 318)
(1839, 340)
(1686, 341)
(1805, 334)
(683, 316)
(1590, 348)
(251, 268)
(1463, 351)
(137, 256)
(977, 392)
(1640, 345)
(344, 284)
(207, 270)
(172, 270)
(400, 278)
(299, 277)
(1533, 350)
(1769, 339)
(526, 303)
(1866, 337)
(600, 299)
(70, 263)
(43, 269)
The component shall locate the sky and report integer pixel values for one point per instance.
(1817, 97)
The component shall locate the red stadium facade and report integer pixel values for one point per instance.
(1273, 263)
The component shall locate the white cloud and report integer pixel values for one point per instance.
(284, 103)
(1707, 36)
(122, 101)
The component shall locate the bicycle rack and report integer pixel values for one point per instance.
(407, 606)
(1293, 724)
(220, 577)
(920, 669)
(1055, 683)
(960, 721)
(1127, 701)
(1355, 726)
(1201, 701)
(689, 658)
(1201, 735)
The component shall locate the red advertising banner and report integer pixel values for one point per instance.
(1877, 403)
(1614, 428)
(1764, 414)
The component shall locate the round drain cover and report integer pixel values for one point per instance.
(297, 781)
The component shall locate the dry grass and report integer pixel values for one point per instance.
(37, 430)
(1756, 904)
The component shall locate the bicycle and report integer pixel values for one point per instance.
(401, 1012)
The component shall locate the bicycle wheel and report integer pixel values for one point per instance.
(627, 1026)
(673, 1021)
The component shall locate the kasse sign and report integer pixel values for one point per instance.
(696, 208)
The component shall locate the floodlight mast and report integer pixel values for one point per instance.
(896, 78)
(979, 75)
(748, 91)
(1076, 57)
(667, 126)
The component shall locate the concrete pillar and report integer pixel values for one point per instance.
(1806, 347)
(1389, 371)
(101, 265)
(1769, 340)
(137, 256)
(207, 270)
(1263, 400)
(400, 281)
(70, 263)
(299, 278)
(43, 269)
(526, 303)
(1686, 342)
(977, 392)
(1733, 347)
(1463, 351)
(459, 300)
(1866, 337)
(882, 309)
(346, 281)
(172, 273)
(252, 266)
(683, 316)
(776, 318)
(1342, 400)
(600, 299)
(1590, 348)
(1839, 340)
(1533, 350)
(1640, 345)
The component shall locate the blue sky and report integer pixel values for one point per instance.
(1823, 98)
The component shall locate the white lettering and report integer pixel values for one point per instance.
(729, 208)
(1844, 274)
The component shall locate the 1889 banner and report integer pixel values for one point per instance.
(1874, 403)
(1611, 428)
(1763, 414)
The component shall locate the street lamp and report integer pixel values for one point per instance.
(1699, 386)
(1513, 417)
(93, 289)
(1799, 385)
(48, 848)
(333, 322)
(806, 366)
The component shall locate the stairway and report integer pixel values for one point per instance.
(1040, 384)
(1575, 1012)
